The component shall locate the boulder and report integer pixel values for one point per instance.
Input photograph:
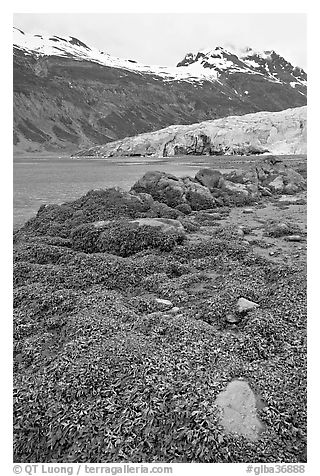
(278, 177)
(237, 192)
(163, 187)
(210, 178)
(235, 188)
(293, 181)
(277, 184)
(291, 189)
(145, 197)
(184, 208)
(269, 168)
(248, 176)
(174, 191)
(198, 196)
(126, 237)
(239, 410)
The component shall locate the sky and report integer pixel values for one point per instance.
(165, 38)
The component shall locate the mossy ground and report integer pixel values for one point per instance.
(97, 378)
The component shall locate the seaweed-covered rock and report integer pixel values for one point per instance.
(97, 206)
(164, 225)
(125, 237)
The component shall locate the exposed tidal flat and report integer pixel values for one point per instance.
(166, 323)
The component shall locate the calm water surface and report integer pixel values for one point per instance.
(54, 180)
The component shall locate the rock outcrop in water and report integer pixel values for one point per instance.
(157, 195)
(282, 132)
(210, 188)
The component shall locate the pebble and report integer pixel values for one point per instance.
(153, 315)
(293, 238)
(248, 210)
(283, 226)
(165, 303)
(232, 318)
(213, 213)
(174, 310)
(244, 305)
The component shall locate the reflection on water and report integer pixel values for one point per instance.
(53, 180)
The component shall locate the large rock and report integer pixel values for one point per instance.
(293, 181)
(238, 184)
(210, 178)
(239, 405)
(277, 184)
(198, 196)
(278, 177)
(236, 189)
(163, 187)
(210, 188)
(238, 193)
(245, 177)
(125, 237)
(174, 191)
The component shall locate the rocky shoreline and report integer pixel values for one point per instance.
(134, 312)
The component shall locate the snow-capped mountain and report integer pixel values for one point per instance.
(267, 63)
(68, 95)
(205, 64)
